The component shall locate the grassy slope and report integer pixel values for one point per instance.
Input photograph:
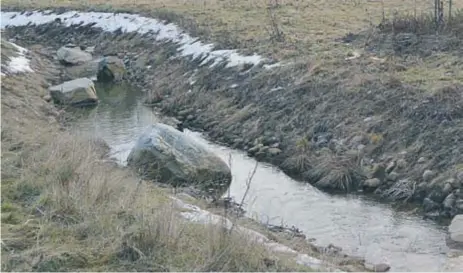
(63, 208)
(309, 27)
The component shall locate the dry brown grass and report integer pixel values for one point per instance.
(63, 208)
(308, 22)
(310, 30)
(68, 210)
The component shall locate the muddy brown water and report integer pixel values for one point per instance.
(361, 227)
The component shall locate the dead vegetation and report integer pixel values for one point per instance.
(311, 31)
(411, 91)
(64, 208)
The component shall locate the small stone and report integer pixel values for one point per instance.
(47, 98)
(459, 204)
(429, 205)
(437, 194)
(372, 183)
(433, 215)
(377, 267)
(459, 177)
(393, 176)
(428, 175)
(360, 139)
(273, 151)
(361, 147)
(350, 268)
(269, 140)
(449, 201)
(421, 160)
(447, 188)
(264, 149)
(456, 228)
(379, 171)
(453, 182)
(256, 148)
(390, 166)
(401, 164)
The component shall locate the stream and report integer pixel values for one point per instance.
(361, 227)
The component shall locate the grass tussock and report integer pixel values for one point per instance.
(339, 173)
(299, 163)
(64, 208)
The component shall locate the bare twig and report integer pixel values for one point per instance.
(226, 207)
(248, 186)
(275, 31)
(248, 183)
(40, 211)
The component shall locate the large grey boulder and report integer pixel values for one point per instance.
(456, 230)
(167, 155)
(110, 68)
(73, 55)
(106, 69)
(76, 92)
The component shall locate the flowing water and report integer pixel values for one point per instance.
(361, 227)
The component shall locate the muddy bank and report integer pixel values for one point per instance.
(395, 142)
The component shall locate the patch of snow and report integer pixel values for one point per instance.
(198, 215)
(270, 66)
(192, 79)
(18, 64)
(188, 46)
(234, 85)
(276, 88)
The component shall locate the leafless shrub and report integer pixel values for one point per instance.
(275, 32)
(426, 23)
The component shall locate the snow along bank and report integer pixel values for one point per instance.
(17, 64)
(125, 22)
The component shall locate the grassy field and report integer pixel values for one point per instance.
(309, 30)
(63, 208)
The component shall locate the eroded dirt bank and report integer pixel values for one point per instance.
(383, 137)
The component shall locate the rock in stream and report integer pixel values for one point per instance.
(73, 55)
(167, 155)
(76, 92)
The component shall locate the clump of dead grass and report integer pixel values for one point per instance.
(298, 163)
(336, 172)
